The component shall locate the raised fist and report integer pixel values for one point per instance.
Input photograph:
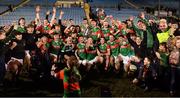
(110, 16)
(61, 12)
(14, 44)
(14, 23)
(48, 12)
(54, 10)
(38, 8)
(142, 15)
(131, 18)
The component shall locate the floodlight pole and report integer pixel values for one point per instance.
(159, 7)
(46, 5)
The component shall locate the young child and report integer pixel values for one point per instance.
(71, 77)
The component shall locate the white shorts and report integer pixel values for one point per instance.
(53, 55)
(12, 59)
(115, 59)
(28, 54)
(125, 59)
(83, 62)
(135, 59)
(93, 60)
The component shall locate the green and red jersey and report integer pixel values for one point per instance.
(106, 33)
(55, 44)
(115, 28)
(123, 32)
(21, 29)
(81, 48)
(91, 56)
(117, 35)
(80, 34)
(70, 86)
(43, 29)
(103, 48)
(102, 17)
(96, 32)
(124, 50)
(45, 46)
(114, 48)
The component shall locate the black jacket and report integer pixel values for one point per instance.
(19, 51)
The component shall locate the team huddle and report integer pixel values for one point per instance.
(148, 48)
